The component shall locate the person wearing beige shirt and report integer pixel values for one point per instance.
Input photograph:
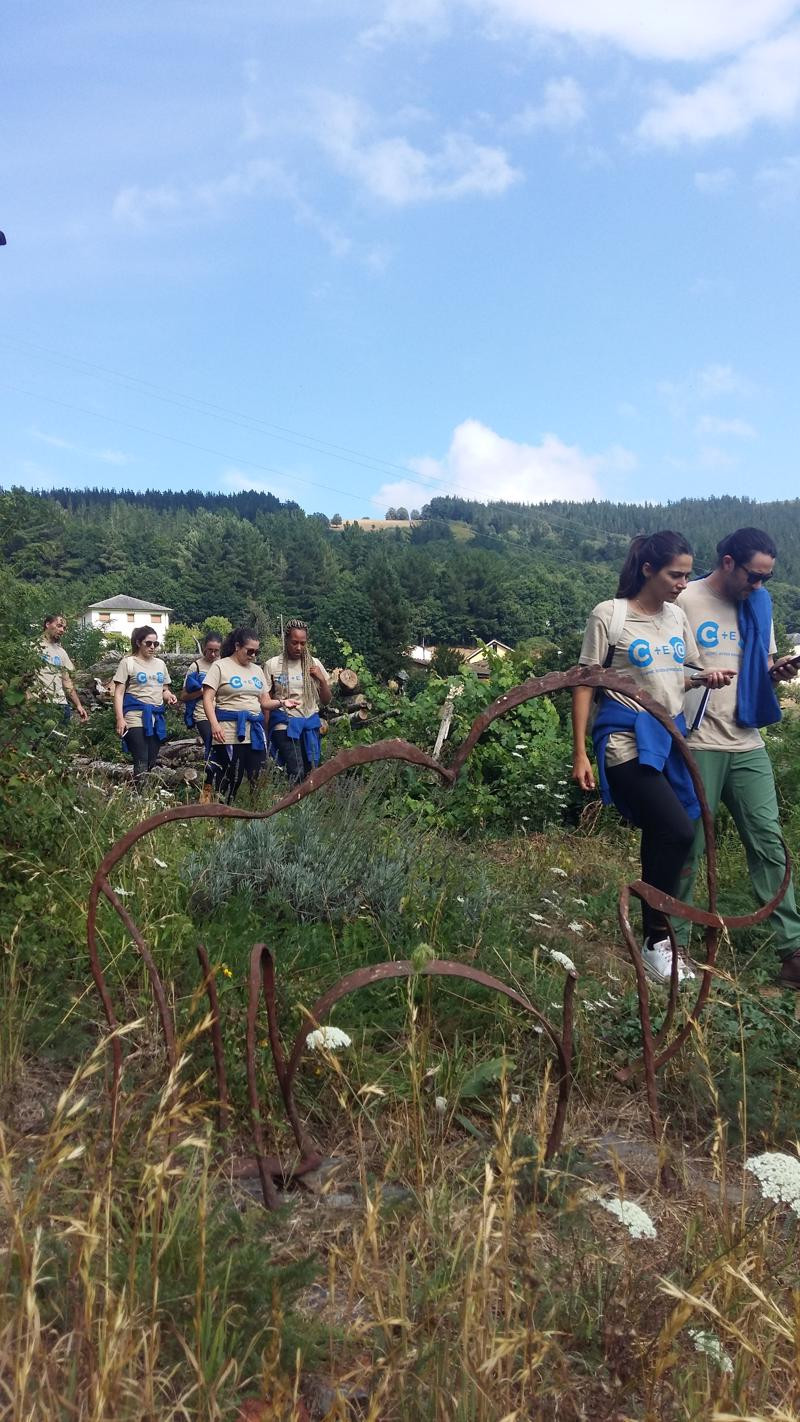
(55, 682)
(235, 698)
(729, 749)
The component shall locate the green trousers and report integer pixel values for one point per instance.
(743, 781)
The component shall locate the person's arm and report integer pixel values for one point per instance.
(323, 685)
(784, 668)
(119, 693)
(69, 691)
(209, 695)
(185, 695)
(270, 703)
(582, 772)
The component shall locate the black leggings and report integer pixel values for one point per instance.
(229, 765)
(667, 831)
(292, 756)
(143, 750)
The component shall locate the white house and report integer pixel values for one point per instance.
(123, 614)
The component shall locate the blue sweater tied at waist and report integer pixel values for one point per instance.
(194, 682)
(655, 747)
(756, 702)
(243, 719)
(154, 718)
(306, 729)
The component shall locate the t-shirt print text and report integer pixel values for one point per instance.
(247, 683)
(641, 653)
(709, 635)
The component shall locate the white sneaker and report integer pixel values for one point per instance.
(657, 960)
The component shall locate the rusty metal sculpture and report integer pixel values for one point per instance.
(262, 973)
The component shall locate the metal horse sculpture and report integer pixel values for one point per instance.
(655, 1050)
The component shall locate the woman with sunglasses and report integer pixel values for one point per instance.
(645, 635)
(235, 700)
(141, 696)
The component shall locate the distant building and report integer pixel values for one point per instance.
(123, 614)
(474, 657)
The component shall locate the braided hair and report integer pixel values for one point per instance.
(310, 697)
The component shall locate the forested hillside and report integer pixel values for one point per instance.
(466, 571)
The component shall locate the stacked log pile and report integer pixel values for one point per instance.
(347, 700)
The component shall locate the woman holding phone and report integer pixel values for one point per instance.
(235, 701)
(644, 634)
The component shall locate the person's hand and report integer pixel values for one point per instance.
(217, 733)
(292, 704)
(715, 679)
(82, 714)
(316, 673)
(582, 772)
(121, 727)
(170, 698)
(784, 669)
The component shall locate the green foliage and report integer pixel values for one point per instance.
(446, 661)
(221, 625)
(180, 637)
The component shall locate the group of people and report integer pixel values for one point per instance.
(243, 711)
(669, 634)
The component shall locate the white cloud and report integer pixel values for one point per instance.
(761, 85)
(563, 106)
(720, 429)
(678, 30)
(779, 182)
(398, 172)
(105, 456)
(481, 464)
(237, 481)
(714, 381)
(715, 180)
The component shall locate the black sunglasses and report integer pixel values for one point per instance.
(149, 644)
(754, 578)
(251, 651)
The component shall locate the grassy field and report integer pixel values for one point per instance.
(436, 1267)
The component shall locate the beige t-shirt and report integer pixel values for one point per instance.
(51, 676)
(290, 684)
(203, 667)
(715, 624)
(144, 680)
(236, 688)
(651, 650)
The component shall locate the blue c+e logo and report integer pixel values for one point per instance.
(236, 682)
(708, 634)
(639, 653)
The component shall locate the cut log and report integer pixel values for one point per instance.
(358, 718)
(172, 750)
(348, 681)
(358, 703)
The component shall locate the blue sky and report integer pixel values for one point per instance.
(363, 253)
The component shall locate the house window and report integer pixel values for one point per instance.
(156, 616)
(104, 616)
(131, 616)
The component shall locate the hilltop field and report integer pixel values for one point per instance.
(435, 1265)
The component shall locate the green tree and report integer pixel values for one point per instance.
(390, 613)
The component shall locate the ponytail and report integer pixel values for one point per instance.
(657, 549)
(237, 638)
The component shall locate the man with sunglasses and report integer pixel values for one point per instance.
(730, 613)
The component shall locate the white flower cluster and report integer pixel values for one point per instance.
(575, 926)
(707, 1342)
(636, 1220)
(779, 1177)
(562, 960)
(328, 1039)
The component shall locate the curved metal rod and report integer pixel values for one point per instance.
(648, 1053)
(210, 985)
(444, 968)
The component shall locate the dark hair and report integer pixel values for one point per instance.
(741, 545)
(51, 617)
(138, 635)
(211, 637)
(237, 638)
(657, 549)
(294, 624)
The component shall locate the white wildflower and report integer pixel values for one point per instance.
(540, 787)
(60, 734)
(539, 1030)
(328, 1038)
(517, 755)
(160, 862)
(575, 926)
(562, 960)
(526, 817)
(123, 893)
(636, 1220)
(537, 917)
(562, 873)
(459, 899)
(521, 747)
(563, 782)
(779, 1177)
(515, 1098)
(707, 1342)
(78, 811)
(441, 1104)
(582, 902)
